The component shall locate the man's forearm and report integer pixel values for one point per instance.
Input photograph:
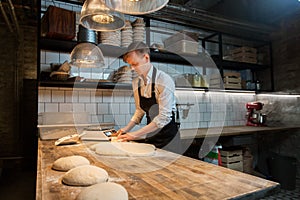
(129, 126)
(145, 130)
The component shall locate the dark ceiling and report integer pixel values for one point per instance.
(257, 19)
(253, 18)
(269, 12)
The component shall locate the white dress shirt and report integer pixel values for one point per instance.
(164, 93)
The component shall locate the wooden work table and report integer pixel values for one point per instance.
(231, 131)
(163, 176)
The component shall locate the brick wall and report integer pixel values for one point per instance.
(286, 54)
(9, 81)
(285, 110)
(18, 61)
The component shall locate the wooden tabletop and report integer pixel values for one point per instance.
(231, 131)
(163, 176)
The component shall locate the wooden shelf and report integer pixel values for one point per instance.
(99, 85)
(124, 86)
(233, 65)
(114, 51)
(67, 46)
(156, 56)
(57, 45)
(77, 84)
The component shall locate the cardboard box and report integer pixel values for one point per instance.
(182, 35)
(184, 47)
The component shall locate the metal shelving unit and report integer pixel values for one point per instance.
(157, 56)
(223, 64)
(114, 51)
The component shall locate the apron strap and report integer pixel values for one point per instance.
(152, 85)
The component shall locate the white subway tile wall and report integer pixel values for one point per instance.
(204, 109)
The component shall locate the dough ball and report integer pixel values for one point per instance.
(101, 191)
(125, 149)
(85, 175)
(69, 162)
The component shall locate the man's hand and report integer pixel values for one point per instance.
(125, 137)
(117, 133)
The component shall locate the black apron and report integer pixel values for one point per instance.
(167, 137)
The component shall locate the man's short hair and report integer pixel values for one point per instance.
(139, 47)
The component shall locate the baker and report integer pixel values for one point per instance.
(154, 96)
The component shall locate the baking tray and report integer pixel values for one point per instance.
(56, 131)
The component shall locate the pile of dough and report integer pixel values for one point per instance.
(85, 175)
(107, 191)
(69, 162)
(124, 149)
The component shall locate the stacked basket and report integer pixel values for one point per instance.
(60, 72)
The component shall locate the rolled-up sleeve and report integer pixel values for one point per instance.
(165, 89)
(138, 116)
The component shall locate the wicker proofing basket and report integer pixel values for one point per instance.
(59, 76)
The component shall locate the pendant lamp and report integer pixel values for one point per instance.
(86, 54)
(95, 15)
(136, 7)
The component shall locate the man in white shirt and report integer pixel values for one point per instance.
(154, 96)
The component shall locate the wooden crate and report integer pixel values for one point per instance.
(232, 80)
(245, 57)
(229, 80)
(246, 60)
(247, 164)
(244, 54)
(231, 153)
(243, 50)
(233, 86)
(232, 159)
(232, 74)
(215, 86)
(215, 81)
(58, 23)
(181, 35)
(235, 165)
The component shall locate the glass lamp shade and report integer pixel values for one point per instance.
(95, 15)
(87, 55)
(136, 7)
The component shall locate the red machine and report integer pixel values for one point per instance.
(254, 116)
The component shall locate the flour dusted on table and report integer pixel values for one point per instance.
(69, 162)
(85, 175)
(124, 149)
(107, 191)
